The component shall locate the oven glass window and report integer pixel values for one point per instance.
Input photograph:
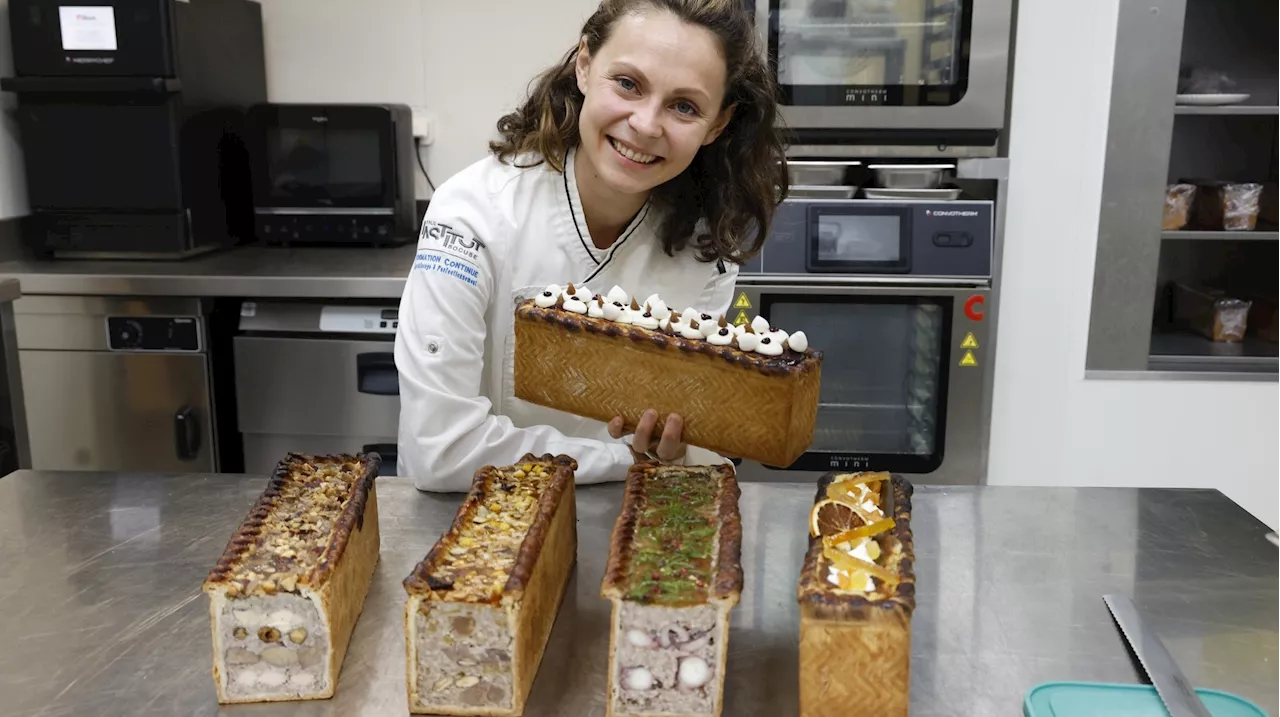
(320, 166)
(883, 384)
(868, 52)
(859, 238)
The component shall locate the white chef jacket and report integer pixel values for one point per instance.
(493, 235)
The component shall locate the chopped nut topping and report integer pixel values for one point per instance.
(295, 533)
(479, 564)
(269, 634)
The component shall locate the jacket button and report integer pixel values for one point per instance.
(433, 347)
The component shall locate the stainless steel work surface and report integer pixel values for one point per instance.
(259, 272)
(101, 610)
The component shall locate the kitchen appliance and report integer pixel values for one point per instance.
(316, 377)
(131, 120)
(924, 76)
(897, 295)
(333, 173)
(116, 383)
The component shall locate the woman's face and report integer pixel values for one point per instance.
(653, 95)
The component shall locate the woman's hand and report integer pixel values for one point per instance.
(667, 447)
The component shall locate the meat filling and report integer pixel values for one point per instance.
(273, 646)
(463, 655)
(667, 659)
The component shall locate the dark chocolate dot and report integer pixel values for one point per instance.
(618, 304)
(705, 317)
(546, 293)
(724, 332)
(648, 315)
(765, 340)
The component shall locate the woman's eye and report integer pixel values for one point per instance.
(626, 84)
(686, 108)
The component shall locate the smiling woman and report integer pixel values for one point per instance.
(646, 160)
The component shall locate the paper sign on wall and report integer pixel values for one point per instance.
(87, 27)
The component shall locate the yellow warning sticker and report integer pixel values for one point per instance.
(742, 302)
(968, 359)
(741, 319)
(969, 342)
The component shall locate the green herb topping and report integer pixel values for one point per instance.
(671, 552)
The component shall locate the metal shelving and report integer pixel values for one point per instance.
(1220, 235)
(1248, 110)
(1185, 351)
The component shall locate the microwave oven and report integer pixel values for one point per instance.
(332, 173)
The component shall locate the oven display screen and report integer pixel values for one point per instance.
(859, 238)
(321, 165)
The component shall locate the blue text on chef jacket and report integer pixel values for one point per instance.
(447, 265)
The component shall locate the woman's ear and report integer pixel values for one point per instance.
(582, 65)
(718, 126)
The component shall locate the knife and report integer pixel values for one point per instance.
(1179, 698)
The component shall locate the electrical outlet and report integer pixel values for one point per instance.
(423, 125)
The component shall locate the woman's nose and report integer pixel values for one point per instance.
(646, 120)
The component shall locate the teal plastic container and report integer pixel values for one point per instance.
(1100, 699)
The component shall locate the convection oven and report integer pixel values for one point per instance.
(898, 296)
(912, 74)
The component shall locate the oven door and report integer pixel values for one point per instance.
(322, 158)
(849, 65)
(903, 377)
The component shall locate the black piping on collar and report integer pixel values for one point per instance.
(619, 243)
(574, 214)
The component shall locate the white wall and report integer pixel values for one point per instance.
(1050, 425)
(456, 60)
(13, 185)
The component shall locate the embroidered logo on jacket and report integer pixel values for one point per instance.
(450, 240)
(445, 250)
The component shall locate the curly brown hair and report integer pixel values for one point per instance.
(733, 184)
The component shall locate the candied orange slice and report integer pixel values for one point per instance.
(851, 479)
(845, 561)
(829, 517)
(862, 531)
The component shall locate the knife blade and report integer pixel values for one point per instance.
(1179, 698)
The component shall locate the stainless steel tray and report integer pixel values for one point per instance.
(811, 191)
(940, 194)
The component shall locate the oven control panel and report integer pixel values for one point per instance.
(855, 236)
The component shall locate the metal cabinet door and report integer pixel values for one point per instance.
(100, 410)
(316, 387)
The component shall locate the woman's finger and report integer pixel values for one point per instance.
(615, 427)
(642, 437)
(670, 447)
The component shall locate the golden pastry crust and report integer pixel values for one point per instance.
(789, 363)
(725, 586)
(305, 494)
(481, 592)
(425, 578)
(820, 599)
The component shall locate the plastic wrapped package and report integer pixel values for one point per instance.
(1177, 206)
(1210, 312)
(1229, 206)
(1263, 316)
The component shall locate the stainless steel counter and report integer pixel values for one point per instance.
(101, 610)
(261, 272)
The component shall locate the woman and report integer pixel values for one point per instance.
(647, 159)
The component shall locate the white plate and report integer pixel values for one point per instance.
(1212, 100)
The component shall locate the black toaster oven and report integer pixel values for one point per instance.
(332, 173)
